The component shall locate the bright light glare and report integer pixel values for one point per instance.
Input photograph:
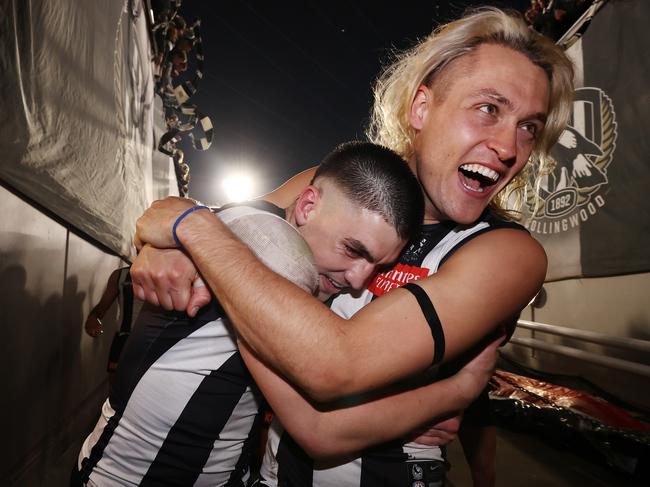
(238, 187)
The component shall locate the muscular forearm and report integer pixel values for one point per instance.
(331, 433)
(108, 297)
(344, 431)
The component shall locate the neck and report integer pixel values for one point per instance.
(431, 213)
(291, 213)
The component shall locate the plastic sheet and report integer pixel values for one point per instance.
(78, 114)
(572, 419)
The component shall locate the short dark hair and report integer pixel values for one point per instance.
(379, 180)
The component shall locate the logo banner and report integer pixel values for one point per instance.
(591, 212)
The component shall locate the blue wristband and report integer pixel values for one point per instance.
(180, 219)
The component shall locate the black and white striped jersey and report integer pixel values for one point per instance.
(392, 464)
(389, 464)
(184, 406)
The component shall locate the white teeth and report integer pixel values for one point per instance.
(482, 170)
(336, 285)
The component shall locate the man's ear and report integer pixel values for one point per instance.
(307, 204)
(419, 107)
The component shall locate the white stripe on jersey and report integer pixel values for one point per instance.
(269, 467)
(449, 241)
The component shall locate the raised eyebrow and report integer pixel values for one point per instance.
(360, 249)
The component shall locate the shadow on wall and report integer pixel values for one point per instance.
(639, 328)
(40, 360)
(72, 320)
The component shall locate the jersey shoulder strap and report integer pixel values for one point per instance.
(257, 204)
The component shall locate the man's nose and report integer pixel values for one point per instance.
(503, 141)
(359, 273)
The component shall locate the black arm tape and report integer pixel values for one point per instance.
(432, 319)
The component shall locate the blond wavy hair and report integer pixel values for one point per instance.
(397, 85)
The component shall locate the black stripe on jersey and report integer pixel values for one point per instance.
(153, 334)
(384, 466)
(433, 321)
(295, 467)
(88, 464)
(258, 204)
(189, 442)
(127, 303)
(430, 236)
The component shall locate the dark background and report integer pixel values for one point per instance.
(285, 81)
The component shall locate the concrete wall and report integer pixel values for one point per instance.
(616, 306)
(53, 374)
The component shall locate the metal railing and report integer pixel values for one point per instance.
(624, 343)
(588, 336)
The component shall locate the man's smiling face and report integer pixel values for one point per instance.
(476, 128)
(350, 244)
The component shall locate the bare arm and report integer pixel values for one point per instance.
(331, 433)
(93, 325)
(286, 194)
(440, 433)
(488, 280)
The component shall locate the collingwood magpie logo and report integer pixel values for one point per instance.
(574, 190)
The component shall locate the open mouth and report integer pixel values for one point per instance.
(335, 284)
(477, 178)
(334, 287)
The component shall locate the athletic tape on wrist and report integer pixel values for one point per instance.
(432, 319)
(180, 219)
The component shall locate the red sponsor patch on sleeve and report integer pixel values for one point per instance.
(396, 277)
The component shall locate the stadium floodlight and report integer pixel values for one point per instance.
(238, 186)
